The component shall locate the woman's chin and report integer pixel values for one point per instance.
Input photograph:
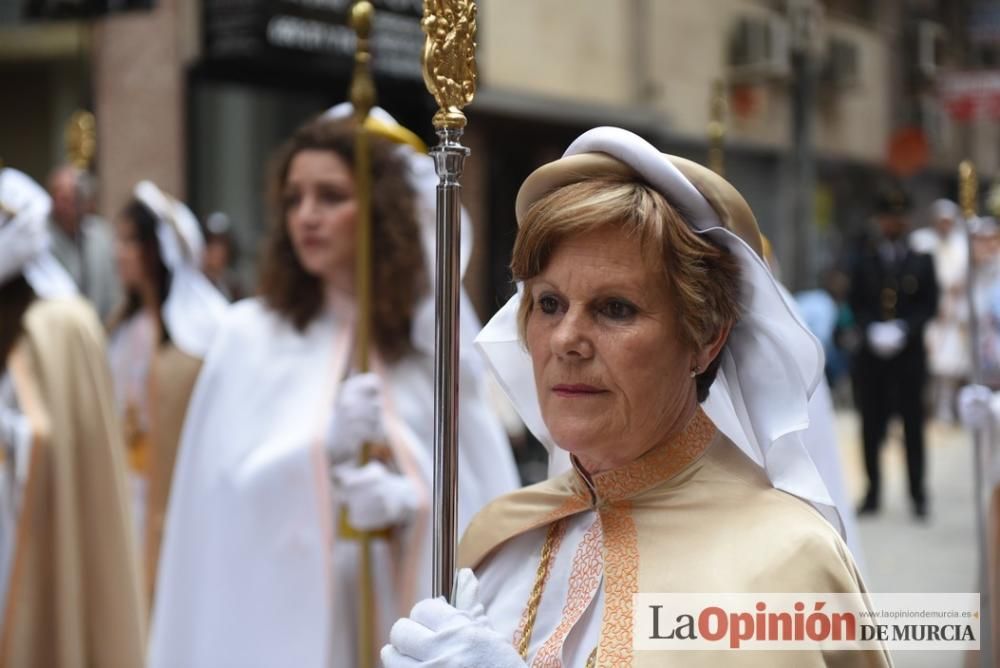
(576, 440)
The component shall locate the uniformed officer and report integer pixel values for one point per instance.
(893, 296)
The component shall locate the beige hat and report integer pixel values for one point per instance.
(729, 206)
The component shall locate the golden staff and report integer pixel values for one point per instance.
(968, 190)
(717, 128)
(449, 61)
(362, 96)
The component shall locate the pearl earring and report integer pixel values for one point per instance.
(694, 372)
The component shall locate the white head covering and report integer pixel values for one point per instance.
(424, 180)
(945, 208)
(771, 363)
(193, 306)
(24, 237)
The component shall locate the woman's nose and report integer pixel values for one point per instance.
(571, 336)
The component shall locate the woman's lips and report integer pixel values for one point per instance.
(577, 390)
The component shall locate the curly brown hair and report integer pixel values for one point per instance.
(399, 274)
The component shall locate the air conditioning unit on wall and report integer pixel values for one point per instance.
(758, 49)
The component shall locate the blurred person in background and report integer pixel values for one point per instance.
(82, 241)
(70, 594)
(158, 338)
(947, 338)
(979, 405)
(893, 296)
(258, 566)
(221, 256)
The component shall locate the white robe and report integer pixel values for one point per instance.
(130, 351)
(251, 573)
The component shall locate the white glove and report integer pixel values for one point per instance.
(974, 406)
(376, 497)
(438, 635)
(887, 338)
(356, 419)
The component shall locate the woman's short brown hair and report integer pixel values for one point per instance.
(703, 277)
(400, 276)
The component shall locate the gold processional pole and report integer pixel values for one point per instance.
(968, 187)
(449, 61)
(717, 128)
(362, 96)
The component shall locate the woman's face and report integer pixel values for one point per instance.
(128, 255)
(613, 377)
(321, 213)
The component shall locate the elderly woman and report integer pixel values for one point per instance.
(657, 353)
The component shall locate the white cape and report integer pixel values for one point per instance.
(251, 573)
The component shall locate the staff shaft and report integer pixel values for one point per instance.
(449, 157)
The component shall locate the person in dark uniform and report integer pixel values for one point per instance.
(893, 295)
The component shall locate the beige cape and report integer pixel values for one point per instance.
(172, 377)
(75, 598)
(697, 516)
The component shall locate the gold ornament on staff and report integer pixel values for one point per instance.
(449, 60)
(968, 188)
(717, 128)
(968, 192)
(80, 137)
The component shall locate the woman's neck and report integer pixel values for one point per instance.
(340, 284)
(614, 458)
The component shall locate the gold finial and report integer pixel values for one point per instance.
(717, 128)
(449, 58)
(362, 86)
(81, 138)
(968, 188)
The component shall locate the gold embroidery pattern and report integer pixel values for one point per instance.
(657, 465)
(584, 580)
(621, 581)
(553, 539)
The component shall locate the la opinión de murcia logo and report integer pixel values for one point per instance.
(802, 621)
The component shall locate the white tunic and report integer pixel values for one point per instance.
(251, 571)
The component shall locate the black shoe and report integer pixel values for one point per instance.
(920, 510)
(869, 507)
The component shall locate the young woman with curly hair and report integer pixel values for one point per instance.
(258, 566)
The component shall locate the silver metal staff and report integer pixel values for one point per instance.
(968, 188)
(449, 61)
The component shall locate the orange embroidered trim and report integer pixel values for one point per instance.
(659, 465)
(584, 581)
(621, 581)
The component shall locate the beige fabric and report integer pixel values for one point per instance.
(695, 519)
(733, 211)
(75, 599)
(172, 377)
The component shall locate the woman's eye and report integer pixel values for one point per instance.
(548, 304)
(333, 196)
(617, 309)
(289, 201)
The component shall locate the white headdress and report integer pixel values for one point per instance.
(771, 363)
(24, 237)
(193, 306)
